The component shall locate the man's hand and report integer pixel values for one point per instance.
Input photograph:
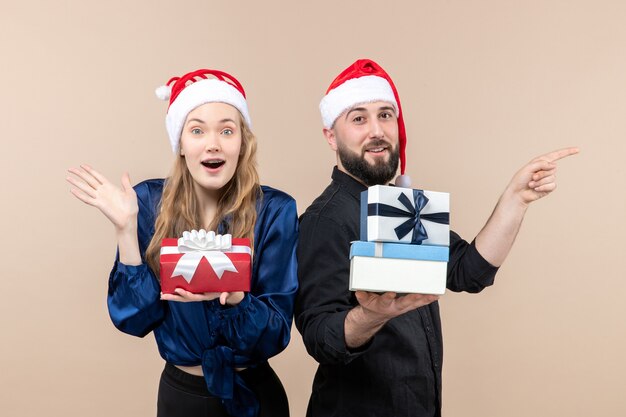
(533, 181)
(383, 307)
(374, 310)
(537, 179)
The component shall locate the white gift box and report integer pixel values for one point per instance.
(382, 267)
(405, 215)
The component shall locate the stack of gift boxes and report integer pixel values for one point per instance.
(405, 239)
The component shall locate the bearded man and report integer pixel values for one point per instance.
(381, 354)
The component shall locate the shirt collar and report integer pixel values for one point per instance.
(352, 186)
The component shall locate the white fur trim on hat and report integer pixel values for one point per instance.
(355, 91)
(201, 92)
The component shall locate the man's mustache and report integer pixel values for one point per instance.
(376, 143)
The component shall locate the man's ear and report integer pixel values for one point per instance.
(329, 134)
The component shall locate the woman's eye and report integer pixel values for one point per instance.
(227, 132)
(196, 131)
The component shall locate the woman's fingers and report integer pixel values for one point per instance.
(82, 196)
(86, 177)
(179, 295)
(231, 298)
(126, 185)
(82, 186)
(94, 174)
(169, 297)
(224, 297)
(188, 296)
(185, 296)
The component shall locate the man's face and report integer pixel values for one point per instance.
(366, 141)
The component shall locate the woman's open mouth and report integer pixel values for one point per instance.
(213, 163)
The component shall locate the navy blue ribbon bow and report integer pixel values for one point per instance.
(413, 213)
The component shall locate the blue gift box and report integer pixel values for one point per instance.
(405, 215)
(382, 267)
(400, 251)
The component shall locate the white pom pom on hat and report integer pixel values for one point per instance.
(403, 181)
(163, 92)
(195, 89)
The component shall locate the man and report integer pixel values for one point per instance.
(381, 354)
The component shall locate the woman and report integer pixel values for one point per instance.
(215, 345)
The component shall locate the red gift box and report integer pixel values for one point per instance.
(201, 271)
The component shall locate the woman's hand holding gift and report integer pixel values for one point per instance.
(230, 298)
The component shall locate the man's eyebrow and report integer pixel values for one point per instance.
(355, 109)
(383, 108)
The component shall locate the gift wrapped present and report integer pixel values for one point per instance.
(382, 267)
(202, 261)
(405, 215)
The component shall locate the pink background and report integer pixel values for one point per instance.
(485, 85)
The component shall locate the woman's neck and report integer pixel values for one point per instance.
(207, 201)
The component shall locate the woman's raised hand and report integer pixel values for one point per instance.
(119, 205)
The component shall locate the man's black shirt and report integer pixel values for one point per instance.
(398, 372)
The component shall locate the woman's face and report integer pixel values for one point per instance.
(211, 142)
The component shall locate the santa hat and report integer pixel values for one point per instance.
(195, 89)
(362, 82)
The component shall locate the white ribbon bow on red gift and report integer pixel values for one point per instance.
(199, 244)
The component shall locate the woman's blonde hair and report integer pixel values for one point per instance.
(180, 210)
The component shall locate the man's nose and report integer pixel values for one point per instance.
(376, 128)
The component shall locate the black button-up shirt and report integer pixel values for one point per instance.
(398, 372)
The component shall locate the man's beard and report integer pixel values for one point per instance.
(381, 172)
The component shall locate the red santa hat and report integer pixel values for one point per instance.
(362, 82)
(195, 89)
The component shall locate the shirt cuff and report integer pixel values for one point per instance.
(478, 265)
(335, 338)
(131, 270)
